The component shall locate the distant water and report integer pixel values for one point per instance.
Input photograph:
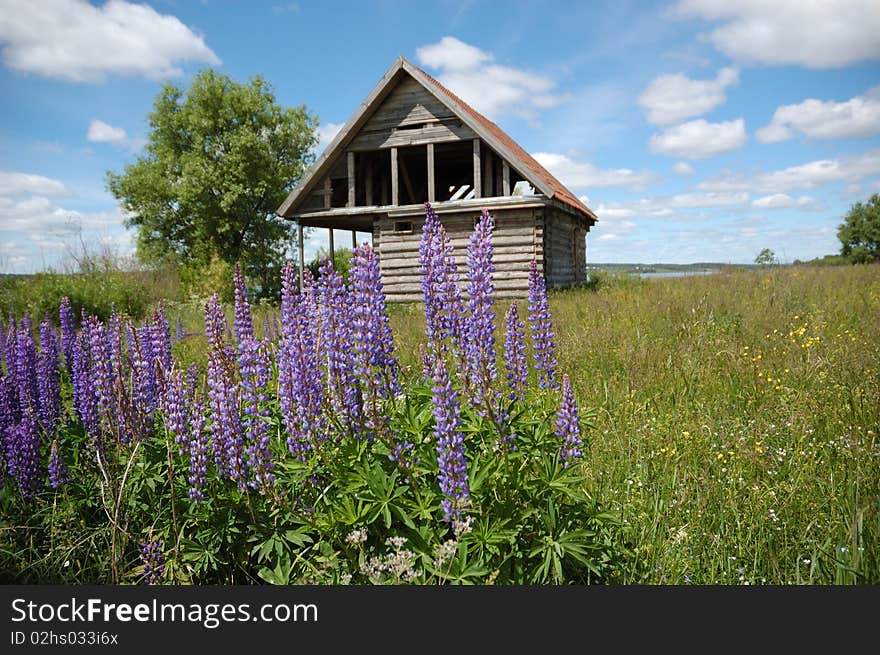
(677, 273)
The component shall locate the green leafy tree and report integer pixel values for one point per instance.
(859, 233)
(219, 159)
(766, 258)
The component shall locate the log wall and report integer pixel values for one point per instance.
(517, 239)
(564, 248)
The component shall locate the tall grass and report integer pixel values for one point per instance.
(736, 418)
(737, 421)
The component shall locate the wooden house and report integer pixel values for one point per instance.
(413, 141)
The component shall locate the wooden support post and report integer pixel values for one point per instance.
(354, 240)
(505, 178)
(368, 184)
(332, 249)
(489, 173)
(328, 192)
(302, 254)
(395, 191)
(351, 179)
(431, 172)
(477, 172)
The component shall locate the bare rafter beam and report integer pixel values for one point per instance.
(302, 253)
(431, 172)
(478, 183)
(351, 195)
(395, 190)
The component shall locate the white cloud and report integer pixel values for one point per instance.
(451, 54)
(37, 216)
(856, 118)
(683, 168)
(667, 206)
(850, 170)
(613, 223)
(77, 41)
(13, 184)
(817, 35)
(785, 201)
(699, 139)
(326, 133)
(823, 171)
(101, 132)
(711, 199)
(674, 97)
(578, 174)
(491, 89)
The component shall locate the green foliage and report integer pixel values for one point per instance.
(859, 233)
(346, 514)
(766, 258)
(341, 261)
(97, 292)
(220, 158)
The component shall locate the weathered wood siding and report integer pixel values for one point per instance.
(564, 249)
(517, 239)
(410, 116)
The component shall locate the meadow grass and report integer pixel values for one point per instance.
(736, 420)
(733, 418)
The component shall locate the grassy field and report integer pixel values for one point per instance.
(736, 420)
(733, 418)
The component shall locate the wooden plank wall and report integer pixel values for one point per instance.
(409, 116)
(561, 238)
(517, 239)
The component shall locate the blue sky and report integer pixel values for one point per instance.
(699, 130)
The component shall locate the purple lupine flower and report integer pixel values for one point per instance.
(153, 557)
(175, 405)
(515, 354)
(568, 425)
(335, 313)
(7, 420)
(160, 336)
(25, 367)
(58, 475)
(85, 399)
(253, 365)
(179, 330)
(68, 332)
(427, 365)
(223, 393)
(47, 379)
(541, 325)
(373, 343)
(300, 379)
(244, 322)
(115, 330)
(428, 269)
(444, 306)
(25, 446)
(276, 329)
(145, 389)
(198, 453)
(451, 461)
(480, 350)
(101, 371)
